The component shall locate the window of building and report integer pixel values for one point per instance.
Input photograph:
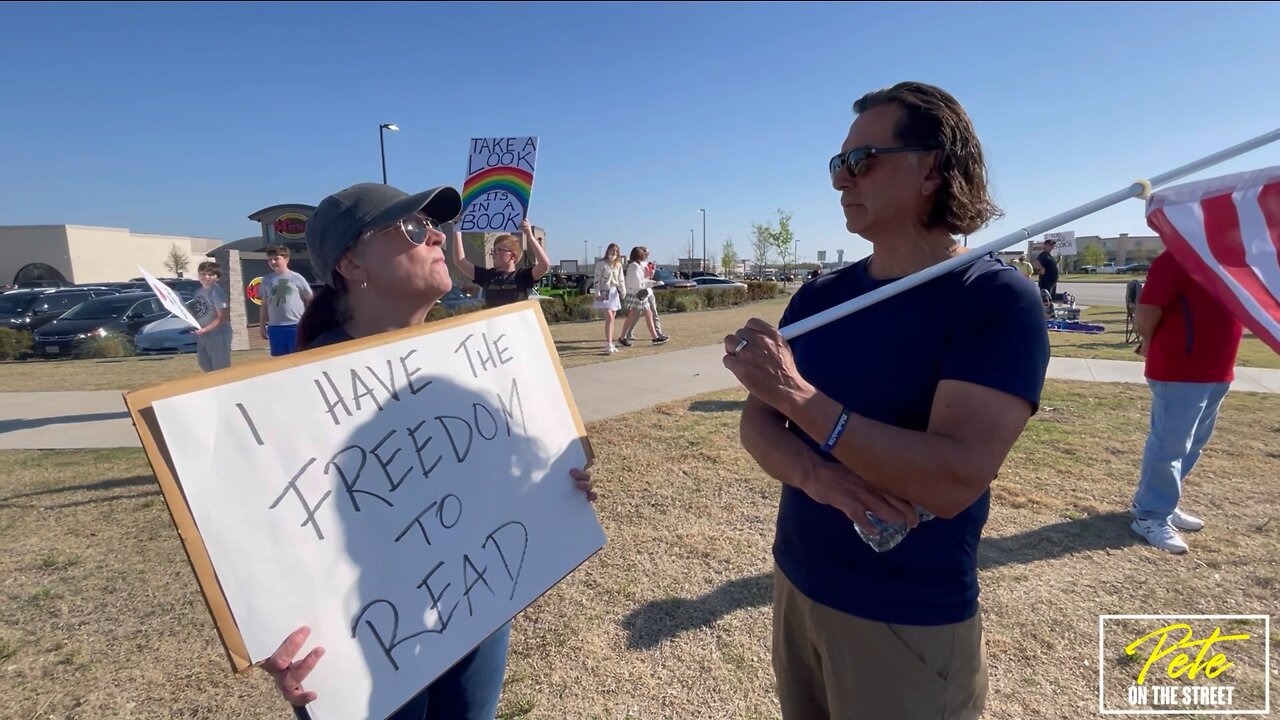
(38, 274)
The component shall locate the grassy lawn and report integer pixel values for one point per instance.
(100, 616)
(1110, 345)
(577, 344)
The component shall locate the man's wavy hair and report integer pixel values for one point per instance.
(931, 117)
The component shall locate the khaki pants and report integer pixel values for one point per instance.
(829, 664)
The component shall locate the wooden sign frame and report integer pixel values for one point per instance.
(140, 404)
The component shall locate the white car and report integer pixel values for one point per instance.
(170, 335)
(719, 283)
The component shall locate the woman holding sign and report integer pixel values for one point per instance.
(503, 284)
(380, 253)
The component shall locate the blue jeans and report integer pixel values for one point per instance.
(469, 690)
(1182, 420)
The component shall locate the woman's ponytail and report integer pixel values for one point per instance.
(325, 312)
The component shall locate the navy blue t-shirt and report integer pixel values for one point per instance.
(982, 324)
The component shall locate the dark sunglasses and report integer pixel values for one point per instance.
(857, 159)
(414, 227)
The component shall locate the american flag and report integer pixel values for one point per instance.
(1226, 232)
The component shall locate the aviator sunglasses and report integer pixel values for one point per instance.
(413, 226)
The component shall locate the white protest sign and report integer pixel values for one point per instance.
(404, 496)
(170, 299)
(495, 195)
(1066, 241)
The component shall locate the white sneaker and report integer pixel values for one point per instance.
(1160, 535)
(1179, 519)
(1183, 521)
(610, 349)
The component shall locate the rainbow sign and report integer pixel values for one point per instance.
(495, 196)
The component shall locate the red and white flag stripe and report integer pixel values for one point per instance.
(1226, 232)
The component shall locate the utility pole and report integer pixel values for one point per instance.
(704, 237)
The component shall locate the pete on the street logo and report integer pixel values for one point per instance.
(1179, 664)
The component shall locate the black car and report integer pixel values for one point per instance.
(28, 310)
(119, 314)
(182, 285)
(669, 281)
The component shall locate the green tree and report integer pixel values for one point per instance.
(728, 256)
(1092, 255)
(176, 262)
(783, 239)
(761, 243)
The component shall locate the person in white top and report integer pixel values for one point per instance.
(649, 270)
(639, 288)
(610, 287)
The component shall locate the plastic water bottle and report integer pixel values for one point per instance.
(887, 534)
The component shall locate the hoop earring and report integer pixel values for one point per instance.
(364, 284)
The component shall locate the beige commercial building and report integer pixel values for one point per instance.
(1122, 250)
(80, 254)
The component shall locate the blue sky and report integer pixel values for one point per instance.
(183, 119)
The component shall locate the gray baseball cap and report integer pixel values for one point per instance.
(340, 219)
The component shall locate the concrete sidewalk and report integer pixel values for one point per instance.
(67, 420)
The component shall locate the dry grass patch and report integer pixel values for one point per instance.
(100, 616)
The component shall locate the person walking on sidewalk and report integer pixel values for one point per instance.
(1190, 341)
(652, 301)
(610, 287)
(639, 289)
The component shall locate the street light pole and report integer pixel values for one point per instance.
(382, 145)
(704, 237)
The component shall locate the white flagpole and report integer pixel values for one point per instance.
(1140, 189)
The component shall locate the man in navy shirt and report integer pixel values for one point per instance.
(911, 403)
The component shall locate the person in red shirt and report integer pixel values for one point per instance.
(1190, 341)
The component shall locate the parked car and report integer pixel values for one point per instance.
(182, 285)
(566, 285)
(1107, 269)
(29, 310)
(670, 281)
(1136, 268)
(718, 283)
(130, 286)
(455, 298)
(167, 335)
(123, 314)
